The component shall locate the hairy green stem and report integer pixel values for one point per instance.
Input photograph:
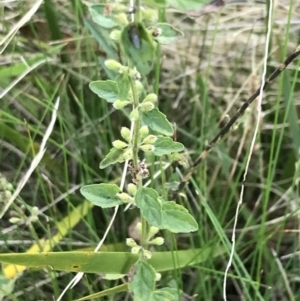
(135, 140)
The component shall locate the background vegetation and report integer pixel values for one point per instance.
(204, 77)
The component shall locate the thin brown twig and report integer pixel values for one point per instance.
(222, 133)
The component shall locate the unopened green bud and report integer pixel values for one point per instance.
(35, 210)
(120, 104)
(115, 35)
(125, 197)
(7, 195)
(149, 139)
(9, 187)
(34, 218)
(119, 144)
(152, 231)
(139, 227)
(131, 243)
(139, 87)
(158, 241)
(150, 15)
(136, 250)
(14, 220)
(151, 98)
(127, 154)
(143, 132)
(157, 276)
(113, 65)
(147, 147)
(134, 115)
(125, 133)
(134, 74)
(146, 106)
(121, 19)
(147, 254)
(131, 188)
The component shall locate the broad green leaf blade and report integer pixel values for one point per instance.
(157, 121)
(147, 200)
(177, 219)
(102, 195)
(109, 262)
(143, 283)
(110, 291)
(166, 146)
(114, 156)
(123, 82)
(138, 47)
(106, 89)
(160, 295)
(101, 16)
(168, 34)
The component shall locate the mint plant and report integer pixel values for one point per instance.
(150, 134)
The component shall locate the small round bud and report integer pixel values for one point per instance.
(34, 218)
(127, 154)
(150, 15)
(124, 197)
(158, 241)
(121, 19)
(146, 106)
(152, 231)
(35, 210)
(9, 187)
(7, 195)
(131, 188)
(149, 139)
(119, 144)
(115, 35)
(139, 87)
(143, 132)
(134, 74)
(136, 250)
(157, 276)
(113, 65)
(14, 220)
(131, 243)
(120, 104)
(125, 133)
(134, 115)
(147, 254)
(151, 98)
(147, 148)
(139, 227)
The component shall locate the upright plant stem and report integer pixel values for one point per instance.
(135, 140)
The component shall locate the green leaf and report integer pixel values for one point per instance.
(168, 34)
(138, 47)
(177, 219)
(157, 121)
(160, 295)
(102, 195)
(164, 214)
(100, 15)
(114, 156)
(123, 82)
(110, 262)
(146, 199)
(143, 283)
(106, 89)
(166, 146)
